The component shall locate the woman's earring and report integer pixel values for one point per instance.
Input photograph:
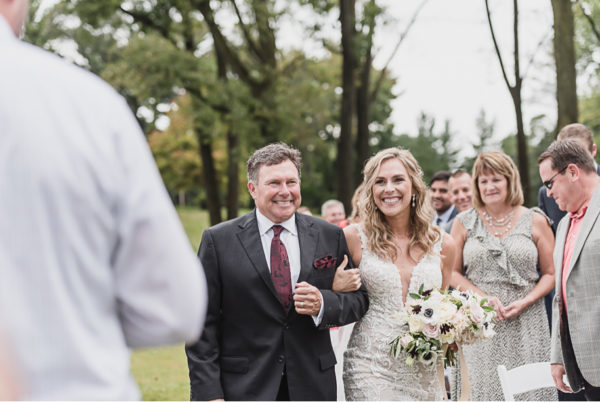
(413, 201)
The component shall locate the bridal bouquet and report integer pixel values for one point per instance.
(433, 320)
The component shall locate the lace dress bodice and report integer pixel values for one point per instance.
(370, 372)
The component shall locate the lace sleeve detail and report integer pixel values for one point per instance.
(361, 234)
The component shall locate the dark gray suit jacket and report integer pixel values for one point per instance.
(248, 340)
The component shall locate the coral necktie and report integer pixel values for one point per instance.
(280, 269)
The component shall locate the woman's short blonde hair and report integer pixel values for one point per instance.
(499, 163)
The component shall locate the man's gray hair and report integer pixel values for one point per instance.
(331, 203)
(272, 154)
(562, 153)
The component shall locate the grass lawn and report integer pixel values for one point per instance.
(162, 373)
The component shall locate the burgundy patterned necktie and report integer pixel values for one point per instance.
(280, 269)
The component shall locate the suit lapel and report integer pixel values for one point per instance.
(250, 239)
(308, 238)
(586, 226)
(559, 249)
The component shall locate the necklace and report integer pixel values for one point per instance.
(504, 222)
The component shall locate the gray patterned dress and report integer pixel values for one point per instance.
(506, 268)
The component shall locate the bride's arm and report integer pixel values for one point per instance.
(448, 257)
(348, 280)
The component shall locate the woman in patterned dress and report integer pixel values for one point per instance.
(500, 244)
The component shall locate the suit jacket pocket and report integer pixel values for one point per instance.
(327, 360)
(235, 364)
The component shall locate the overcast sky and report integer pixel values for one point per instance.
(448, 68)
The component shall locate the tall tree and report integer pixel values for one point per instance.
(564, 58)
(515, 93)
(345, 159)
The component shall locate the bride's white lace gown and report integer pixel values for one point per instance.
(370, 372)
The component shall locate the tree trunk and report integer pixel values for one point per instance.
(364, 102)
(209, 173)
(345, 165)
(564, 58)
(518, 102)
(523, 162)
(233, 177)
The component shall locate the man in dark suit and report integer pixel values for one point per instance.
(444, 210)
(270, 275)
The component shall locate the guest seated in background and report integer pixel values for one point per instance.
(500, 244)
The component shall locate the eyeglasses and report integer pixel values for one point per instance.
(549, 183)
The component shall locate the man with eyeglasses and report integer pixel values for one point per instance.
(578, 132)
(569, 175)
(583, 134)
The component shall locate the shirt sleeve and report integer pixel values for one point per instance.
(160, 286)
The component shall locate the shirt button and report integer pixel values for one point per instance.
(281, 359)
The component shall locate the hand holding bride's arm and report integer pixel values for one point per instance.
(346, 280)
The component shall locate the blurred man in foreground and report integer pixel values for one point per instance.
(95, 260)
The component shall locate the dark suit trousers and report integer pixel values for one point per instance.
(589, 392)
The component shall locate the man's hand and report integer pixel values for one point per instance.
(558, 371)
(307, 299)
(346, 280)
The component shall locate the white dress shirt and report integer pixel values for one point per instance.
(95, 258)
(289, 238)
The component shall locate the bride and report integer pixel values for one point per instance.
(396, 248)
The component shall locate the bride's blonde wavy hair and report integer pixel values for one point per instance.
(422, 232)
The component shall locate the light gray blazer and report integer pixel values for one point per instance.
(583, 294)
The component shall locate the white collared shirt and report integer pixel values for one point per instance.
(289, 238)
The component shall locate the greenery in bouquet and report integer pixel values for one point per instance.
(433, 320)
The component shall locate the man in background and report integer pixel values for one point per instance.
(94, 258)
(569, 175)
(444, 211)
(583, 134)
(333, 212)
(461, 190)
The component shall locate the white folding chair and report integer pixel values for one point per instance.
(527, 377)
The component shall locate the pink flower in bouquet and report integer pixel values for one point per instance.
(476, 313)
(405, 340)
(431, 331)
(460, 320)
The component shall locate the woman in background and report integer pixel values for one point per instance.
(500, 243)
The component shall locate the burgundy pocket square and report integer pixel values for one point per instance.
(326, 262)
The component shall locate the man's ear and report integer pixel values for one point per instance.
(252, 189)
(594, 149)
(573, 171)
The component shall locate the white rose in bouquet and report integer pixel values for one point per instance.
(415, 324)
